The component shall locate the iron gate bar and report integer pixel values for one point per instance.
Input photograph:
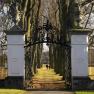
(67, 51)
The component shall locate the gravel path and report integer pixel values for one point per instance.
(48, 92)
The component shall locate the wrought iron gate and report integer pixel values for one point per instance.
(49, 36)
(68, 67)
(28, 66)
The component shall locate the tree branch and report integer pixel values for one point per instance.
(86, 2)
(89, 15)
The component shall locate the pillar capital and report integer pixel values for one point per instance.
(80, 31)
(15, 30)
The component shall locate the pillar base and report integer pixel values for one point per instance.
(80, 83)
(2, 83)
(16, 82)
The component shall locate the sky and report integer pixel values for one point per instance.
(45, 47)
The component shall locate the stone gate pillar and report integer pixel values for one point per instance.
(16, 59)
(79, 57)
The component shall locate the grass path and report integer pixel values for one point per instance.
(44, 73)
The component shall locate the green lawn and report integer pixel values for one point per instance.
(11, 91)
(85, 92)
